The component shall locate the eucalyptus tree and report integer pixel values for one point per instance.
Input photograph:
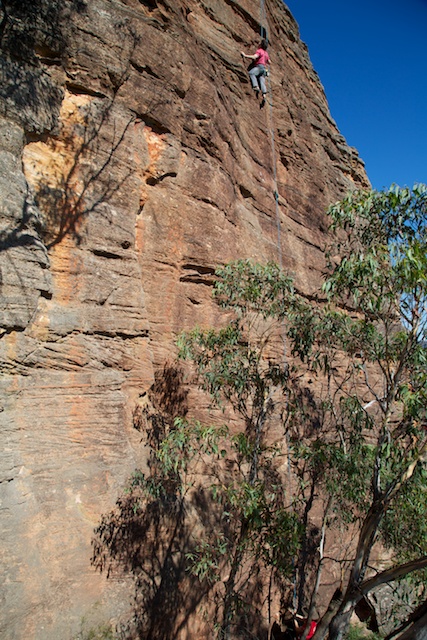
(377, 292)
(364, 342)
(325, 405)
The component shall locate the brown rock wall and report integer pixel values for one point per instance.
(133, 160)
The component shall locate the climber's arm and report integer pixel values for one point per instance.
(245, 55)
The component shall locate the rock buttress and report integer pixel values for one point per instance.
(134, 159)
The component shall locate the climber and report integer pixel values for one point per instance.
(258, 69)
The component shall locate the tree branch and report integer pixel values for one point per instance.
(389, 575)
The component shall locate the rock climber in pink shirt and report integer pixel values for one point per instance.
(258, 69)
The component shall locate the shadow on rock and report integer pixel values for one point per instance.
(149, 534)
(160, 524)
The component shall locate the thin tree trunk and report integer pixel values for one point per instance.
(239, 553)
(230, 585)
(305, 550)
(334, 604)
(339, 621)
(318, 573)
(417, 631)
(394, 573)
(414, 628)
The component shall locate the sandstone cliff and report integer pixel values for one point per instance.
(133, 160)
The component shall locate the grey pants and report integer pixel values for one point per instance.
(257, 76)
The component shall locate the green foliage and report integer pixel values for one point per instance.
(366, 348)
(237, 367)
(404, 528)
(208, 556)
(248, 288)
(248, 522)
(357, 632)
(229, 367)
(343, 474)
(355, 441)
(380, 275)
(383, 265)
(173, 462)
(185, 441)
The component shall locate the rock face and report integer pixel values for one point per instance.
(134, 159)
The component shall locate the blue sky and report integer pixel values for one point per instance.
(371, 57)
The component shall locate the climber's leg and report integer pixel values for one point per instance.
(261, 80)
(253, 75)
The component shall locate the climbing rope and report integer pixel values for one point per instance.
(263, 21)
(274, 163)
(264, 34)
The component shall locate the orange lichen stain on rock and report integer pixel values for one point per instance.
(66, 268)
(155, 145)
(52, 168)
(148, 169)
(139, 234)
(141, 161)
(48, 162)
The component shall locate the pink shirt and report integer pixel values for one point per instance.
(262, 56)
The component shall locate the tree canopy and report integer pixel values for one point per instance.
(330, 429)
